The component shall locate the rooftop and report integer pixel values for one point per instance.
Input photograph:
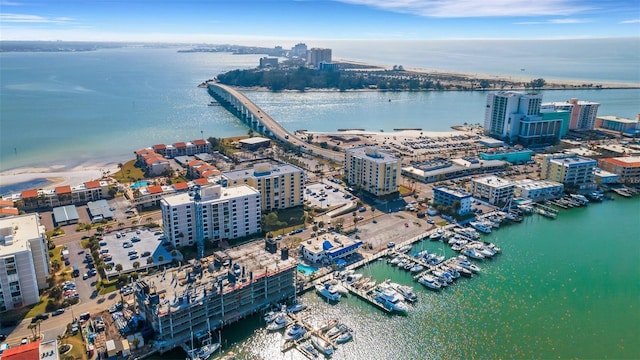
(330, 243)
(459, 193)
(210, 193)
(260, 170)
(493, 181)
(530, 184)
(17, 230)
(626, 161)
(372, 153)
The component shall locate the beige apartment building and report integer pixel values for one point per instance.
(375, 171)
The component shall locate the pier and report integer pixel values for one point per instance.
(364, 295)
(310, 331)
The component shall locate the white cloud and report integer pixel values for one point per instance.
(553, 21)
(475, 8)
(634, 21)
(26, 18)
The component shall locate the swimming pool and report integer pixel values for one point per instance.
(139, 184)
(306, 269)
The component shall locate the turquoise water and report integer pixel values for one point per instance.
(139, 184)
(565, 288)
(306, 269)
(98, 107)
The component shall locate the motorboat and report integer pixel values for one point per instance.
(279, 323)
(442, 277)
(272, 315)
(463, 271)
(297, 306)
(462, 261)
(416, 268)
(402, 263)
(473, 253)
(404, 249)
(328, 325)
(338, 329)
(408, 265)
(295, 332)
(344, 337)
(344, 273)
(337, 285)
(481, 226)
(436, 235)
(405, 290)
(395, 260)
(352, 278)
(430, 282)
(204, 352)
(391, 299)
(322, 346)
(310, 349)
(467, 232)
(328, 291)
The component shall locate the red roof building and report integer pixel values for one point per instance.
(61, 190)
(181, 186)
(155, 189)
(30, 351)
(27, 194)
(92, 184)
(201, 181)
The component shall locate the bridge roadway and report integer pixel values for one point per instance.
(262, 122)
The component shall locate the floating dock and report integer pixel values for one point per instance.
(365, 296)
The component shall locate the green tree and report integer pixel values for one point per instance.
(136, 265)
(149, 260)
(118, 267)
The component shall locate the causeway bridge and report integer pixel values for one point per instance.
(261, 122)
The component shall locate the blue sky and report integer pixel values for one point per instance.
(266, 21)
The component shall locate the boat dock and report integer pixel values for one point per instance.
(365, 296)
(546, 211)
(310, 331)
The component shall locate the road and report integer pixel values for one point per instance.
(279, 131)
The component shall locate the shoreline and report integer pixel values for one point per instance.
(56, 175)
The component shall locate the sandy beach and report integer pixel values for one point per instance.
(56, 175)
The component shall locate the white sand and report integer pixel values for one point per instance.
(56, 175)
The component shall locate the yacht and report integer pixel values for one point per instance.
(405, 290)
(204, 352)
(391, 299)
(436, 235)
(404, 248)
(352, 278)
(295, 332)
(395, 260)
(322, 346)
(296, 306)
(337, 285)
(328, 291)
(311, 350)
(338, 329)
(416, 268)
(272, 315)
(462, 261)
(467, 232)
(473, 253)
(481, 226)
(344, 337)
(280, 322)
(430, 282)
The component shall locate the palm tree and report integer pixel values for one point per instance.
(160, 258)
(136, 265)
(118, 267)
(149, 260)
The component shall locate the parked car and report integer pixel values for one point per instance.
(44, 316)
(58, 312)
(146, 253)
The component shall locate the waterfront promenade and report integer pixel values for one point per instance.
(256, 118)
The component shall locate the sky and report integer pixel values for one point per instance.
(263, 21)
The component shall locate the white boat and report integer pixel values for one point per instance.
(406, 291)
(328, 292)
(391, 299)
(297, 306)
(442, 278)
(344, 273)
(352, 278)
(404, 248)
(395, 260)
(416, 268)
(481, 226)
(468, 232)
(295, 332)
(473, 253)
(337, 285)
(322, 346)
(204, 352)
(430, 282)
(270, 316)
(310, 349)
(279, 323)
(338, 329)
(436, 235)
(344, 337)
(462, 261)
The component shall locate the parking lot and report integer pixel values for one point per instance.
(126, 248)
(322, 195)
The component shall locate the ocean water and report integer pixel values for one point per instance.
(98, 107)
(565, 288)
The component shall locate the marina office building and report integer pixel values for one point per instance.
(492, 189)
(449, 196)
(535, 190)
(518, 117)
(220, 213)
(204, 295)
(377, 172)
(281, 186)
(329, 248)
(568, 169)
(24, 261)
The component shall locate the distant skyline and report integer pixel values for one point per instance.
(286, 22)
